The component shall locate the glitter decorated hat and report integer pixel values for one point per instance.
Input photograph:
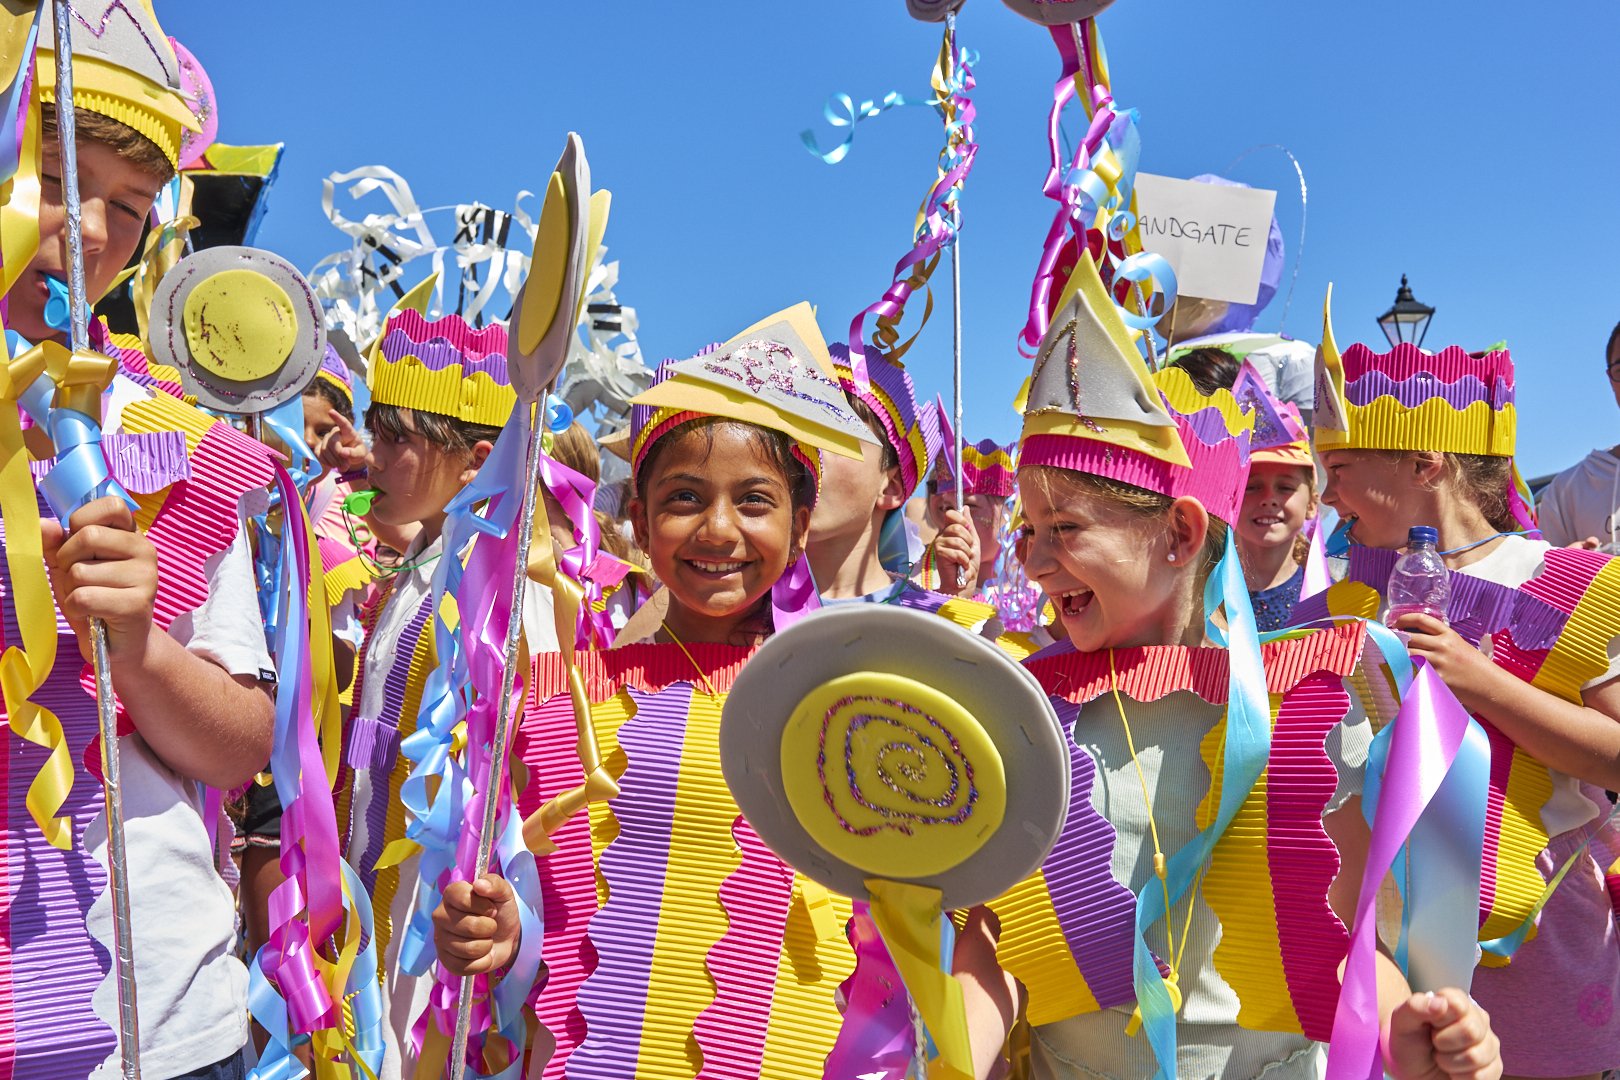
(1279, 431)
(123, 68)
(335, 372)
(1093, 407)
(913, 432)
(441, 365)
(777, 374)
(1452, 401)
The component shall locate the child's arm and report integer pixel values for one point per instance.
(990, 994)
(203, 722)
(1580, 740)
(475, 926)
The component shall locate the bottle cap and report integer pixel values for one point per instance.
(1423, 534)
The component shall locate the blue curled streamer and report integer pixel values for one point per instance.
(1248, 746)
(80, 475)
(841, 111)
(1145, 266)
(559, 415)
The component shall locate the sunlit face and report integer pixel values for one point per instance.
(851, 490)
(414, 478)
(115, 197)
(318, 423)
(1103, 566)
(1276, 505)
(717, 521)
(1370, 487)
(985, 511)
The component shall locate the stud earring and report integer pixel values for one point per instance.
(1172, 556)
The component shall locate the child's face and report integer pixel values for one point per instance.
(114, 197)
(717, 521)
(1276, 504)
(1374, 489)
(852, 492)
(317, 419)
(985, 512)
(1104, 567)
(414, 478)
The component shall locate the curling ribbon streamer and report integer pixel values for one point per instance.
(939, 217)
(908, 917)
(1426, 738)
(74, 422)
(23, 669)
(1506, 945)
(485, 601)
(1248, 746)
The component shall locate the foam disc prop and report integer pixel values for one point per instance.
(548, 305)
(876, 742)
(1058, 12)
(933, 10)
(242, 326)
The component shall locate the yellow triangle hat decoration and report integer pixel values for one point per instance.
(1089, 380)
(776, 374)
(1329, 423)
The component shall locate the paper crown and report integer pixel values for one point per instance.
(1279, 431)
(123, 68)
(335, 372)
(1452, 401)
(1093, 407)
(987, 469)
(776, 374)
(441, 365)
(913, 432)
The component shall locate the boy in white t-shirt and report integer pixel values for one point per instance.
(1581, 507)
(193, 690)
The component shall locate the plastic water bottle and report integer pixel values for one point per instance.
(1419, 582)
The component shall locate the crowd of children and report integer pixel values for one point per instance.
(1155, 550)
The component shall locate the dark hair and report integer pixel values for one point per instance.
(1614, 339)
(323, 389)
(891, 456)
(442, 431)
(1210, 368)
(777, 448)
(124, 140)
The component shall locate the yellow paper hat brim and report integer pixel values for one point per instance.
(713, 400)
(157, 113)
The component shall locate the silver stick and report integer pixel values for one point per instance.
(129, 1037)
(956, 326)
(503, 718)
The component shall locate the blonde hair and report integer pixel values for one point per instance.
(1481, 480)
(1055, 482)
(575, 448)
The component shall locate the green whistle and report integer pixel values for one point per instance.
(358, 503)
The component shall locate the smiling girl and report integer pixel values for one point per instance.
(1278, 501)
(1529, 646)
(708, 946)
(1129, 487)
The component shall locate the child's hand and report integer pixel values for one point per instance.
(1442, 1035)
(1461, 666)
(101, 568)
(957, 550)
(475, 927)
(341, 448)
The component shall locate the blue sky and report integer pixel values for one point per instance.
(1467, 144)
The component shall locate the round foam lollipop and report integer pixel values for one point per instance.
(879, 742)
(933, 10)
(1058, 12)
(242, 325)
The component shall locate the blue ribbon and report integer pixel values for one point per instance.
(80, 475)
(841, 111)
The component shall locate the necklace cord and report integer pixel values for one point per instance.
(707, 685)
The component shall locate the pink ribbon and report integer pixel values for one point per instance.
(877, 1040)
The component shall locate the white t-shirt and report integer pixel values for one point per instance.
(191, 989)
(1582, 501)
(1515, 561)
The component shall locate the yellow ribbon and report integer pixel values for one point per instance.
(24, 670)
(19, 202)
(567, 596)
(80, 378)
(908, 918)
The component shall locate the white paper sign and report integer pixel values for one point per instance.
(1214, 237)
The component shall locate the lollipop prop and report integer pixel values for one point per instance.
(545, 316)
(106, 706)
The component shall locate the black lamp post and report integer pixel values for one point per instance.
(1406, 320)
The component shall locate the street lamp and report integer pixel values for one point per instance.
(1406, 320)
